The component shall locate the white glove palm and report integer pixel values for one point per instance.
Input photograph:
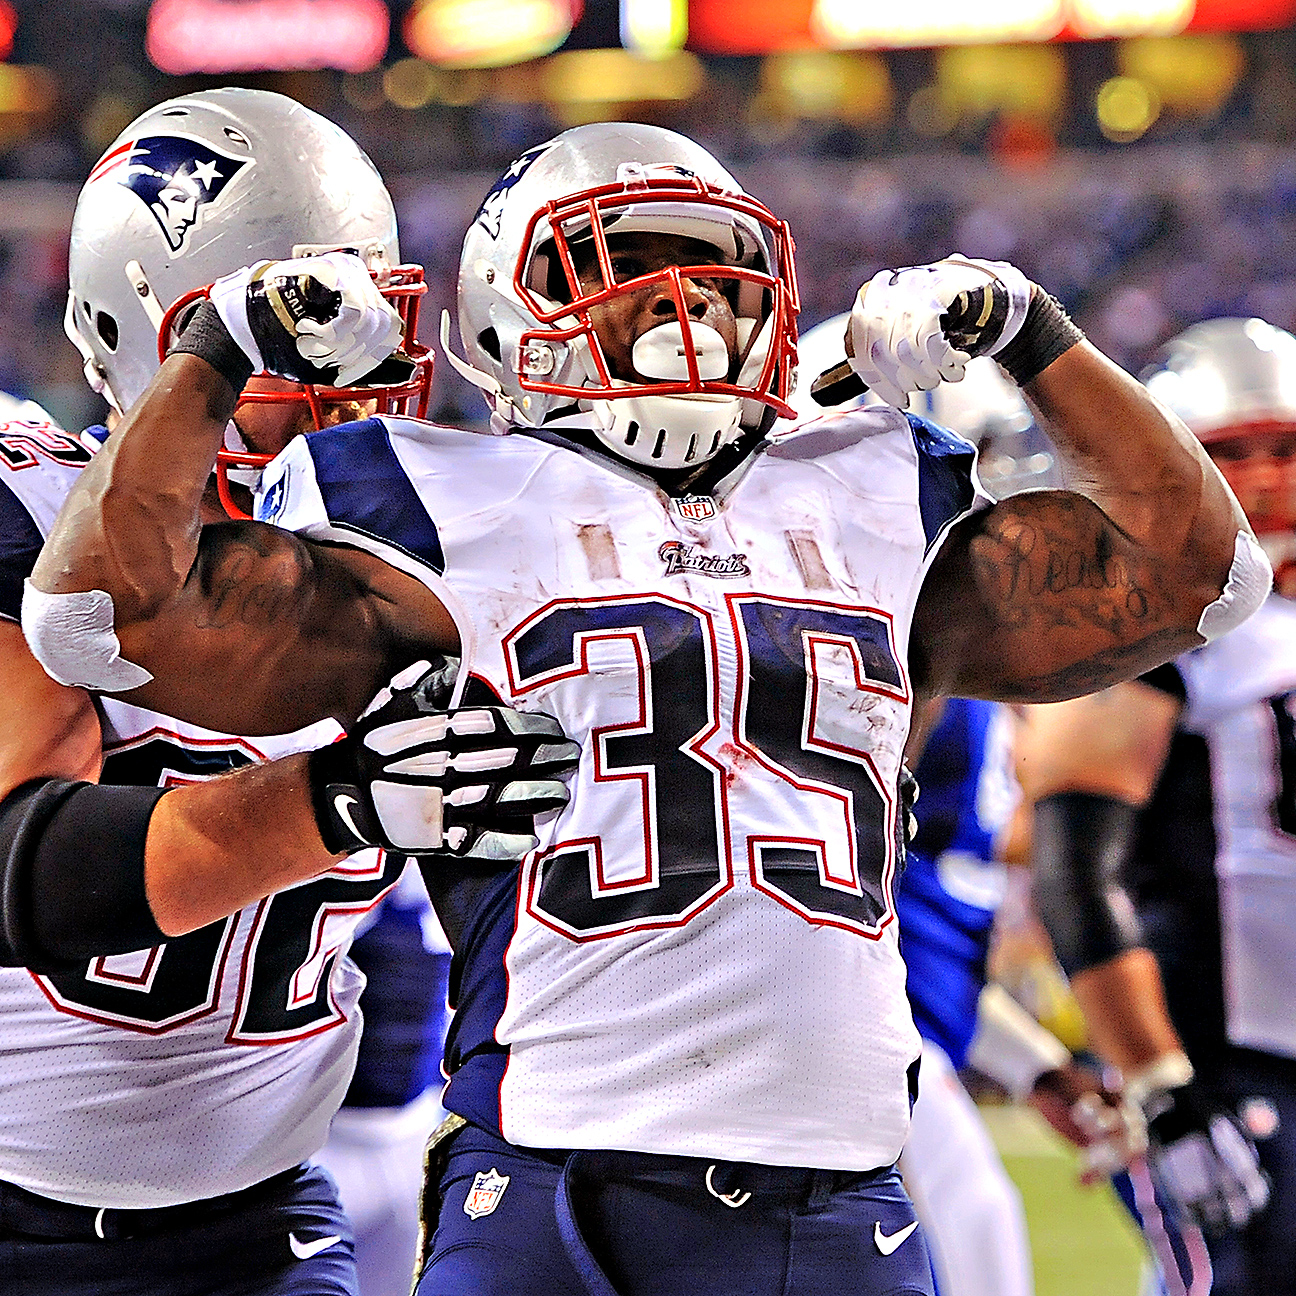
(313, 319)
(907, 326)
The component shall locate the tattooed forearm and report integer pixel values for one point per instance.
(1103, 669)
(250, 575)
(1056, 563)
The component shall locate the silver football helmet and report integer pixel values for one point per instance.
(1233, 382)
(199, 186)
(525, 318)
(1228, 377)
(989, 410)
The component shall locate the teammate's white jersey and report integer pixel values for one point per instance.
(215, 1060)
(701, 958)
(1241, 697)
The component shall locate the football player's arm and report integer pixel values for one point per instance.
(1088, 766)
(238, 626)
(1051, 594)
(74, 864)
(88, 869)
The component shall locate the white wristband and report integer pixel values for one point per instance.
(1169, 1071)
(1010, 1046)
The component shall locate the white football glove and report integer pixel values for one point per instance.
(414, 777)
(911, 329)
(1198, 1152)
(314, 319)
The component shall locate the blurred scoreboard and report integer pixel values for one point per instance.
(766, 26)
(221, 36)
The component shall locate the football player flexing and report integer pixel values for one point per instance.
(1165, 856)
(681, 1051)
(159, 1106)
(953, 883)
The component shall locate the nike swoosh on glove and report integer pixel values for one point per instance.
(911, 329)
(313, 319)
(414, 777)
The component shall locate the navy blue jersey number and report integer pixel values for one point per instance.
(805, 673)
(289, 958)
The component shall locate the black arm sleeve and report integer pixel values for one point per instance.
(72, 873)
(1079, 845)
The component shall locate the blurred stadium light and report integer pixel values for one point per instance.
(488, 33)
(611, 76)
(1194, 73)
(826, 85)
(219, 37)
(654, 28)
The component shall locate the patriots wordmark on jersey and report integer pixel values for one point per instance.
(216, 1059)
(701, 957)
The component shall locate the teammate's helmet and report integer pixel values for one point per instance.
(201, 185)
(990, 411)
(1233, 381)
(525, 319)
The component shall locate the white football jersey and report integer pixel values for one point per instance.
(1241, 698)
(215, 1060)
(701, 957)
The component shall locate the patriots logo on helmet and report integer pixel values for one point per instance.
(491, 212)
(175, 177)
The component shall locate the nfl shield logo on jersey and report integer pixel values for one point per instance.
(484, 1195)
(697, 508)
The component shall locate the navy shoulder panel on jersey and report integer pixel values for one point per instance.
(364, 486)
(20, 545)
(1166, 679)
(945, 489)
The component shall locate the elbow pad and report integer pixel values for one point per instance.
(73, 638)
(1079, 846)
(1249, 581)
(72, 873)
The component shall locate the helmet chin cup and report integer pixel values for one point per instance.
(668, 431)
(660, 353)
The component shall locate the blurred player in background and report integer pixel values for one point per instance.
(375, 1144)
(157, 1108)
(1165, 848)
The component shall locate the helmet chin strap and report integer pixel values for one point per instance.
(495, 394)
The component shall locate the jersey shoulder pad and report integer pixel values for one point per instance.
(836, 430)
(948, 486)
(348, 479)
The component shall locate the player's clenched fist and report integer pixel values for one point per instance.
(412, 776)
(914, 328)
(315, 319)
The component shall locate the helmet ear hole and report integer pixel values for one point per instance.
(106, 327)
(489, 342)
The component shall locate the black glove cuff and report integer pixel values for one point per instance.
(1046, 333)
(206, 336)
(342, 816)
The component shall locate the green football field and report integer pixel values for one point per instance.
(1083, 1242)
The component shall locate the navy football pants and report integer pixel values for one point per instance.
(264, 1241)
(655, 1226)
